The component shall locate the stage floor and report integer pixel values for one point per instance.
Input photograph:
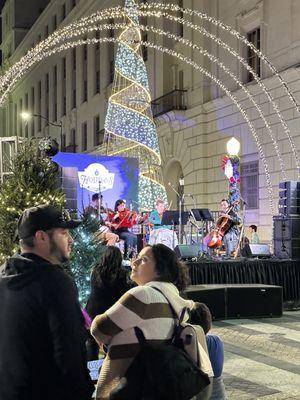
(285, 273)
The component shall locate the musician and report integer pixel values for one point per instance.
(93, 208)
(120, 222)
(254, 238)
(104, 233)
(156, 215)
(161, 233)
(231, 238)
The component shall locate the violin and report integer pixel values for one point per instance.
(214, 238)
(123, 219)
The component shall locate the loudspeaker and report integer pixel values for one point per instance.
(254, 301)
(287, 227)
(287, 248)
(256, 250)
(289, 198)
(212, 295)
(286, 235)
(187, 251)
(238, 300)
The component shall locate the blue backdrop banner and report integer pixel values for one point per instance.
(114, 177)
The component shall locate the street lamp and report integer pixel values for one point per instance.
(26, 116)
(233, 147)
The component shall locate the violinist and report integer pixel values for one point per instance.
(104, 233)
(231, 238)
(156, 215)
(120, 222)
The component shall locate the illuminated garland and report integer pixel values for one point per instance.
(230, 165)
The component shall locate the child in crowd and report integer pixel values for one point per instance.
(201, 315)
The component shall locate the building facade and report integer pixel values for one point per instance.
(194, 115)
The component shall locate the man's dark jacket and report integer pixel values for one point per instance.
(42, 337)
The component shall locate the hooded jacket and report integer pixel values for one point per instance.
(42, 337)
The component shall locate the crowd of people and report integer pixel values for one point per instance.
(44, 341)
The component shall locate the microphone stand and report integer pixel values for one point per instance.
(180, 198)
(99, 203)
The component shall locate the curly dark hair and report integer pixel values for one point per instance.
(109, 267)
(169, 268)
(201, 315)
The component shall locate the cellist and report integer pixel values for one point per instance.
(231, 238)
(120, 222)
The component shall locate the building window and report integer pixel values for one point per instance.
(20, 120)
(74, 59)
(39, 102)
(85, 51)
(47, 83)
(97, 131)
(32, 108)
(46, 31)
(72, 4)
(54, 23)
(84, 136)
(180, 15)
(249, 183)
(63, 142)
(144, 48)
(111, 32)
(16, 119)
(73, 140)
(97, 36)
(74, 98)
(64, 68)
(97, 82)
(63, 11)
(111, 71)
(252, 58)
(64, 106)
(84, 91)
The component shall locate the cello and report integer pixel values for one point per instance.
(214, 238)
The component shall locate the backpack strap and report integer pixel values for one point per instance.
(140, 336)
(182, 314)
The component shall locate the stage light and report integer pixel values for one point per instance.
(233, 146)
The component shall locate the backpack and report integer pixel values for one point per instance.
(164, 371)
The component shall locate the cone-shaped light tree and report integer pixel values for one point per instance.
(129, 127)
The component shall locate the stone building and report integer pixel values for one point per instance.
(194, 116)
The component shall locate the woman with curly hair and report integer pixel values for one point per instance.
(160, 277)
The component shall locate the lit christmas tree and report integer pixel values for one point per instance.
(129, 127)
(86, 252)
(33, 180)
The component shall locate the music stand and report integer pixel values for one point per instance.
(203, 215)
(172, 218)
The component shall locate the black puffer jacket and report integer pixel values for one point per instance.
(42, 352)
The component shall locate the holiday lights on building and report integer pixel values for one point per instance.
(62, 40)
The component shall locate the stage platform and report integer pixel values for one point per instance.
(285, 273)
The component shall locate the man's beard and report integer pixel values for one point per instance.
(55, 251)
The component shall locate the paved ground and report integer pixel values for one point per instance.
(262, 357)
